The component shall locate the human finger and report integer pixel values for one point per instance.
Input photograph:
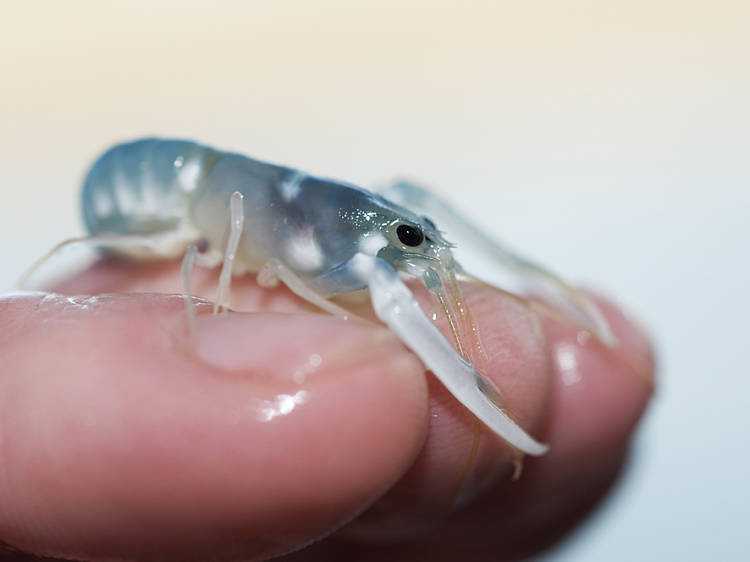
(122, 437)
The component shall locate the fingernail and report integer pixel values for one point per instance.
(634, 343)
(633, 347)
(295, 345)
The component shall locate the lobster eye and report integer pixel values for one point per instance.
(410, 235)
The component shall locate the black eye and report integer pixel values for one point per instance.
(409, 235)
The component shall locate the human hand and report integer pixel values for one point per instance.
(123, 438)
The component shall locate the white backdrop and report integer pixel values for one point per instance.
(608, 140)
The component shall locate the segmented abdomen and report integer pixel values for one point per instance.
(142, 187)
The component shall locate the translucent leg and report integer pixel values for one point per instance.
(114, 241)
(186, 270)
(273, 271)
(236, 220)
(476, 250)
(517, 463)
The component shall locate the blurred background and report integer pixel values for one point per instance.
(609, 140)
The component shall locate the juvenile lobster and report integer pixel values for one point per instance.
(155, 198)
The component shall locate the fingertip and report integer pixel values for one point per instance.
(596, 403)
(122, 440)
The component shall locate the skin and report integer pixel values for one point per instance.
(123, 438)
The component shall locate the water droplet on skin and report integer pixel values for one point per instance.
(567, 359)
(281, 405)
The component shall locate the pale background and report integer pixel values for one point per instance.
(610, 140)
